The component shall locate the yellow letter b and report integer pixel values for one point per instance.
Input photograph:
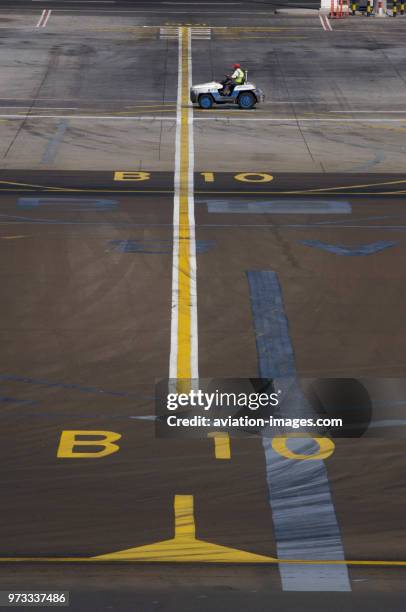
(69, 440)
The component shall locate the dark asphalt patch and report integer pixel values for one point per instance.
(74, 184)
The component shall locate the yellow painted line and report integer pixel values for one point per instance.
(358, 186)
(222, 449)
(124, 113)
(93, 109)
(225, 37)
(391, 128)
(153, 105)
(45, 189)
(254, 28)
(183, 363)
(258, 561)
(140, 33)
(230, 193)
(299, 192)
(185, 178)
(11, 237)
(35, 186)
(184, 547)
(29, 115)
(183, 359)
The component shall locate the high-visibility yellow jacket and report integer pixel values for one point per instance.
(238, 76)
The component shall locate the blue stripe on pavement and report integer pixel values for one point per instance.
(54, 143)
(340, 249)
(281, 207)
(274, 348)
(68, 204)
(14, 400)
(74, 387)
(305, 523)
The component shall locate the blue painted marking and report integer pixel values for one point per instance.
(59, 385)
(39, 221)
(388, 423)
(14, 400)
(339, 249)
(274, 348)
(304, 226)
(281, 207)
(155, 246)
(305, 523)
(78, 204)
(390, 404)
(54, 143)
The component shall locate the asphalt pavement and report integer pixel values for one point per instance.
(154, 5)
(298, 229)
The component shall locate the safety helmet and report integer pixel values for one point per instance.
(237, 66)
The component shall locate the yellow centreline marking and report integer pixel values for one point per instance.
(184, 369)
(186, 357)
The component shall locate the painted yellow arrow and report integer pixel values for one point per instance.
(184, 547)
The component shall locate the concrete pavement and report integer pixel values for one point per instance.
(69, 104)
